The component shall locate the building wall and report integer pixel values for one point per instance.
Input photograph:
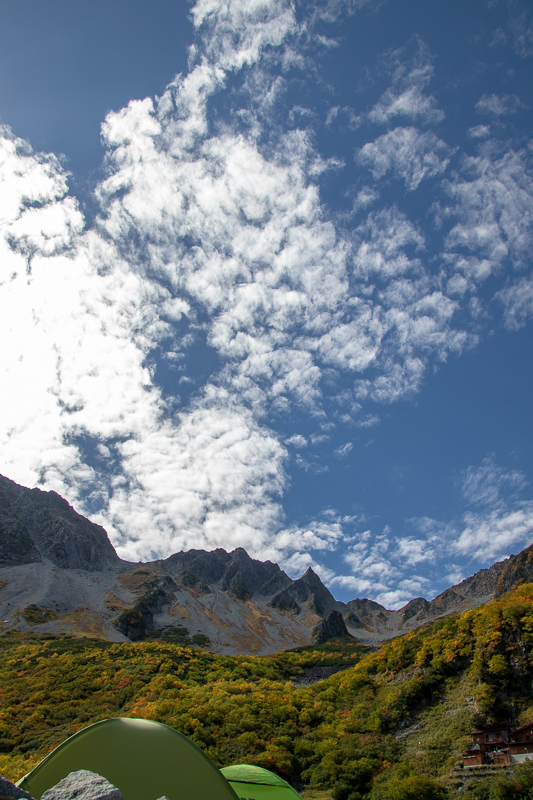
(502, 759)
(517, 748)
(474, 761)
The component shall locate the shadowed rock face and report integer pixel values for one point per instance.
(244, 576)
(16, 544)
(332, 626)
(59, 572)
(235, 572)
(36, 524)
(414, 607)
(138, 622)
(11, 791)
(308, 590)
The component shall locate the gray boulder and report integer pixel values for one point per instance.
(83, 785)
(11, 792)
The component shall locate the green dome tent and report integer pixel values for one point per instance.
(144, 759)
(256, 783)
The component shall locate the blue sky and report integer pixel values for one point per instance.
(265, 276)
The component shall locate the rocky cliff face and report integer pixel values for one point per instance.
(332, 626)
(514, 571)
(235, 573)
(36, 525)
(307, 592)
(60, 573)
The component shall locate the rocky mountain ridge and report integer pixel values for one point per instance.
(60, 573)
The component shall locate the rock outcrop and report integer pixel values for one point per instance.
(138, 622)
(515, 571)
(8, 791)
(329, 628)
(308, 591)
(36, 525)
(83, 785)
(235, 572)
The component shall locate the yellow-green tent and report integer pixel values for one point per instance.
(144, 759)
(256, 783)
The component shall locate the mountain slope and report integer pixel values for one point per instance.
(60, 573)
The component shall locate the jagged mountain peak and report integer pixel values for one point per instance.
(60, 572)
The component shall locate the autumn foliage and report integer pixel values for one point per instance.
(392, 724)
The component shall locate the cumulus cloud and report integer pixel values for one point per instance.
(415, 551)
(73, 362)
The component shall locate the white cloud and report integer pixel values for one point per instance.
(492, 203)
(491, 536)
(362, 587)
(479, 131)
(408, 154)
(206, 479)
(498, 105)
(73, 363)
(415, 551)
(517, 301)
(297, 440)
(483, 486)
(406, 95)
(384, 238)
(310, 465)
(502, 520)
(409, 102)
(236, 32)
(343, 451)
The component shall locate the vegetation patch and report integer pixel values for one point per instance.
(35, 615)
(335, 652)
